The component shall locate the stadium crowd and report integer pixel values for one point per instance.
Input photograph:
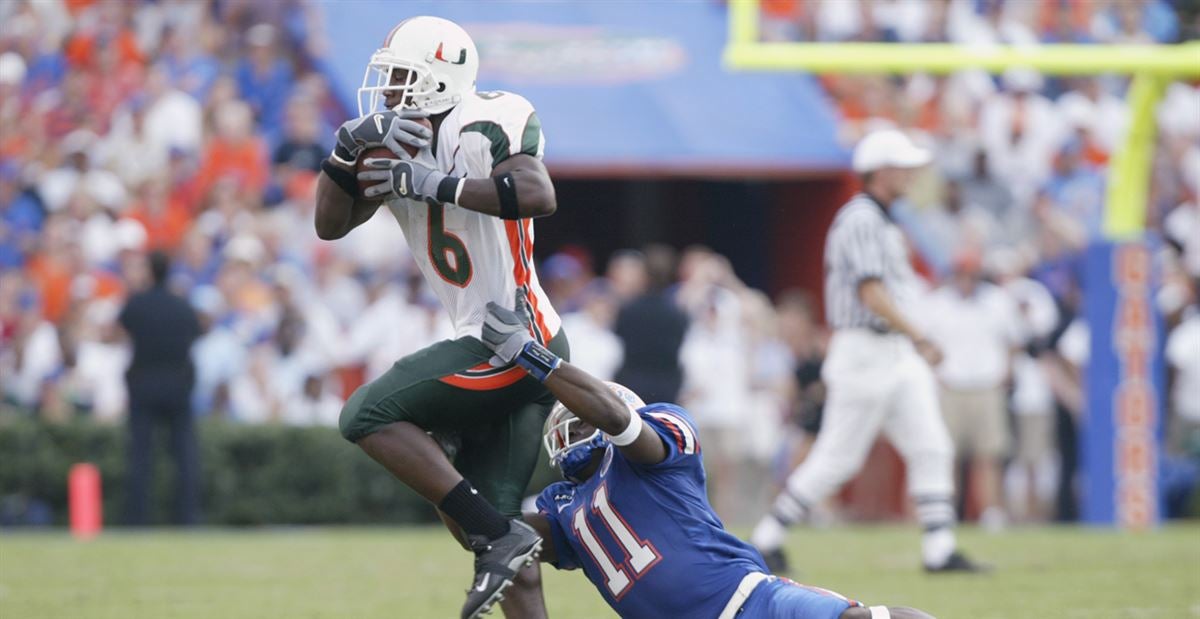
(209, 153)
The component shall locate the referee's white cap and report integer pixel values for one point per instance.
(888, 148)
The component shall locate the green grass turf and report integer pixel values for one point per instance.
(419, 573)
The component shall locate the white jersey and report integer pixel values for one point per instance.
(467, 257)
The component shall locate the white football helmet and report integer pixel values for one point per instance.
(441, 61)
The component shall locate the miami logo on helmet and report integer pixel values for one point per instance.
(462, 55)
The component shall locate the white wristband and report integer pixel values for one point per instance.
(630, 433)
(880, 612)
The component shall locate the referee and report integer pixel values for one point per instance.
(877, 371)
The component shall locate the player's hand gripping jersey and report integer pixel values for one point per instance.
(645, 534)
(470, 258)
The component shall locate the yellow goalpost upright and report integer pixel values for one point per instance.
(1122, 430)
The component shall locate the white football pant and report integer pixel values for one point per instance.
(876, 382)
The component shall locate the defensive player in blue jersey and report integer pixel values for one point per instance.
(633, 512)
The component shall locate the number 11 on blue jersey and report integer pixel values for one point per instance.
(640, 555)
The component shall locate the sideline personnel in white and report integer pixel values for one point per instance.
(877, 371)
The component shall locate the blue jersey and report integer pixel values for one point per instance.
(645, 534)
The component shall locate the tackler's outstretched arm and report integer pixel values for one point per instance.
(585, 395)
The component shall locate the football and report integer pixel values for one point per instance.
(383, 152)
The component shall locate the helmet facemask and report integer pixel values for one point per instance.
(377, 83)
(570, 455)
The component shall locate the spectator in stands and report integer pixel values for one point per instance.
(174, 118)
(716, 356)
(130, 150)
(12, 98)
(975, 325)
(649, 324)
(264, 77)
(566, 280)
(393, 298)
(162, 328)
(943, 231)
(185, 52)
(219, 355)
(597, 349)
(1067, 359)
(95, 383)
(1136, 22)
(806, 339)
(980, 189)
(772, 369)
(77, 175)
(1033, 473)
(165, 220)
(1098, 116)
(1183, 359)
(1076, 189)
(254, 396)
(315, 405)
(1021, 130)
(235, 151)
(627, 276)
(301, 151)
(20, 219)
(31, 352)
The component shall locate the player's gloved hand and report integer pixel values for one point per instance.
(404, 178)
(505, 333)
(387, 128)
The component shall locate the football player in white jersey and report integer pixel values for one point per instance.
(465, 202)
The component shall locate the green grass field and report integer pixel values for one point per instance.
(418, 573)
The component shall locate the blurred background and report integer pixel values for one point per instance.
(196, 129)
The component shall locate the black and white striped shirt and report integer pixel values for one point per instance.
(863, 243)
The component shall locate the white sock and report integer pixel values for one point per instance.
(768, 533)
(937, 546)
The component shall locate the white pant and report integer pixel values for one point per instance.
(876, 382)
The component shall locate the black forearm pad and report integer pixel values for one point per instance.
(447, 190)
(341, 177)
(506, 188)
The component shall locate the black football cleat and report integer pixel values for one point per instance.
(777, 562)
(496, 564)
(957, 562)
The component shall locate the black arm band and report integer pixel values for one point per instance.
(447, 190)
(341, 177)
(506, 188)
